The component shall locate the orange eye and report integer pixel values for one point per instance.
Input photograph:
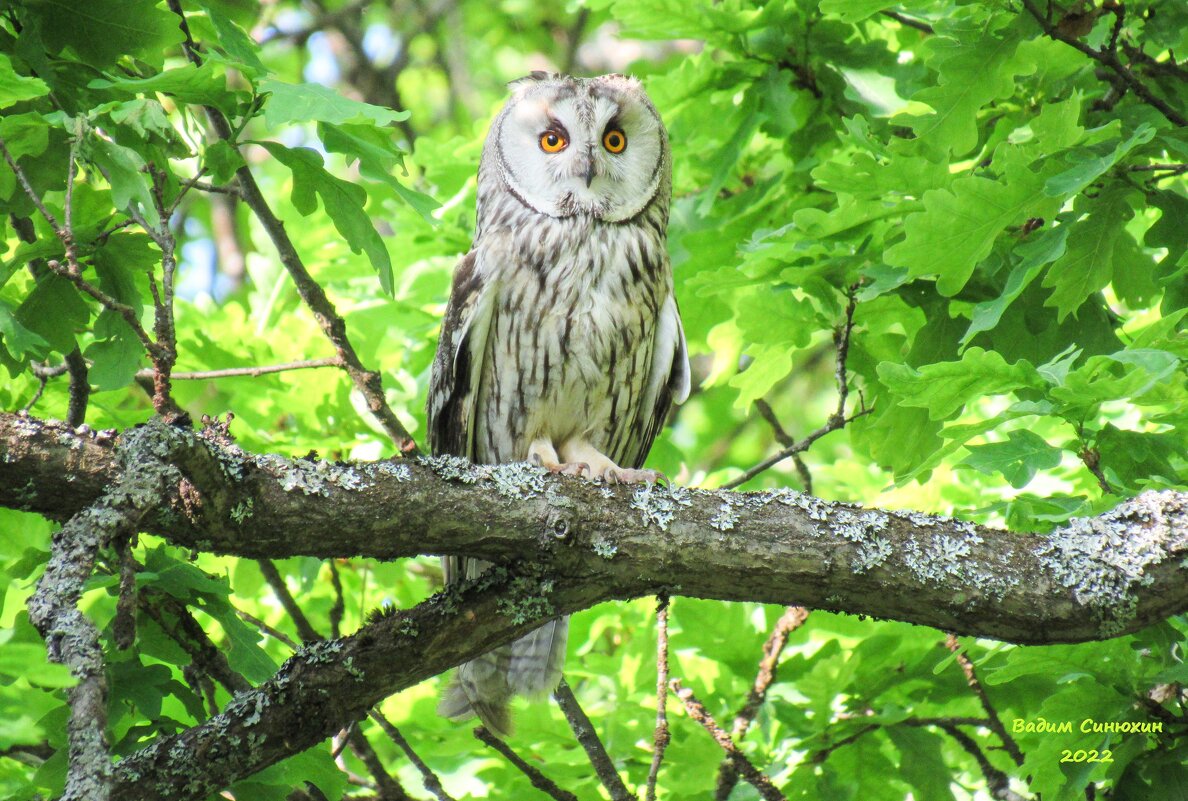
(552, 142)
(614, 140)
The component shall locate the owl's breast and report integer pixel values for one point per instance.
(571, 344)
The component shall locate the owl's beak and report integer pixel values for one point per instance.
(589, 173)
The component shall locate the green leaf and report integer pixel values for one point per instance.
(975, 68)
(1088, 264)
(851, 10)
(342, 201)
(115, 361)
(1018, 459)
(54, 311)
(958, 227)
(222, 159)
(291, 103)
(124, 168)
(944, 388)
(103, 31)
(29, 661)
(1089, 167)
(238, 46)
(1041, 249)
(17, 340)
(15, 88)
(378, 158)
(189, 84)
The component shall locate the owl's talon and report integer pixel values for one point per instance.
(625, 475)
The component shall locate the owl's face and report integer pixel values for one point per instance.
(569, 146)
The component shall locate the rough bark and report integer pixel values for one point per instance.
(567, 545)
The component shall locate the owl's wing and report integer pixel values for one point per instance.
(454, 385)
(668, 381)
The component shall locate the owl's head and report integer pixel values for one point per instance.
(569, 146)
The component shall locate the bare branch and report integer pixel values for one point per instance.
(253, 372)
(275, 580)
(909, 22)
(993, 720)
(660, 736)
(29, 191)
(432, 783)
(998, 782)
(584, 731)
(744, 766)
(389, 788)
(792, 619)
(837, 420)
(539, 780)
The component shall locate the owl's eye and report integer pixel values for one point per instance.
(614, 140)
(552, 142)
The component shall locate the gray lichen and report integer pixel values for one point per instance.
(1103, 559)
(313, 476)
(515, 480)
(659, 503)
(604, 547)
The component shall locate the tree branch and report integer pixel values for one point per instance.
(1089, 579)
(539, 780)
(792, 619)
(584, 731)
(660, 735)
(567, 547)
(738, 759)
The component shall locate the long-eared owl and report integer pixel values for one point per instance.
(561, 342)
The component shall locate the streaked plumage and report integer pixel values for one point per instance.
(561, 342)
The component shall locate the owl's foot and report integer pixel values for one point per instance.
(542, 454)
(627, 475)
(600, 466)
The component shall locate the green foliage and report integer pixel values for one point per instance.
(1010, 222)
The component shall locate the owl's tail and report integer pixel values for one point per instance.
(484, 686)
(457, 705)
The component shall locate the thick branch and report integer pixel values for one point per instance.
(1089, 579)
(569, 546)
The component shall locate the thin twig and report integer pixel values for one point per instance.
(784, 438)
(123, 626)
(432, 783)
(368, 382)
(792, 619)
(1108, 58)
(25, 185)
(539, 780)
(971, 678)
(253, 372)
(389, 788)
(587, 737)
(836, 420)
(271, 631)
(820, 756)
(997, 781)
(175, 619)
(909, 22)
(660, 736)
(339, 606)
(744, 766)
(275, 580)
(108, 302)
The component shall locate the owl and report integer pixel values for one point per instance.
(561, 343)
